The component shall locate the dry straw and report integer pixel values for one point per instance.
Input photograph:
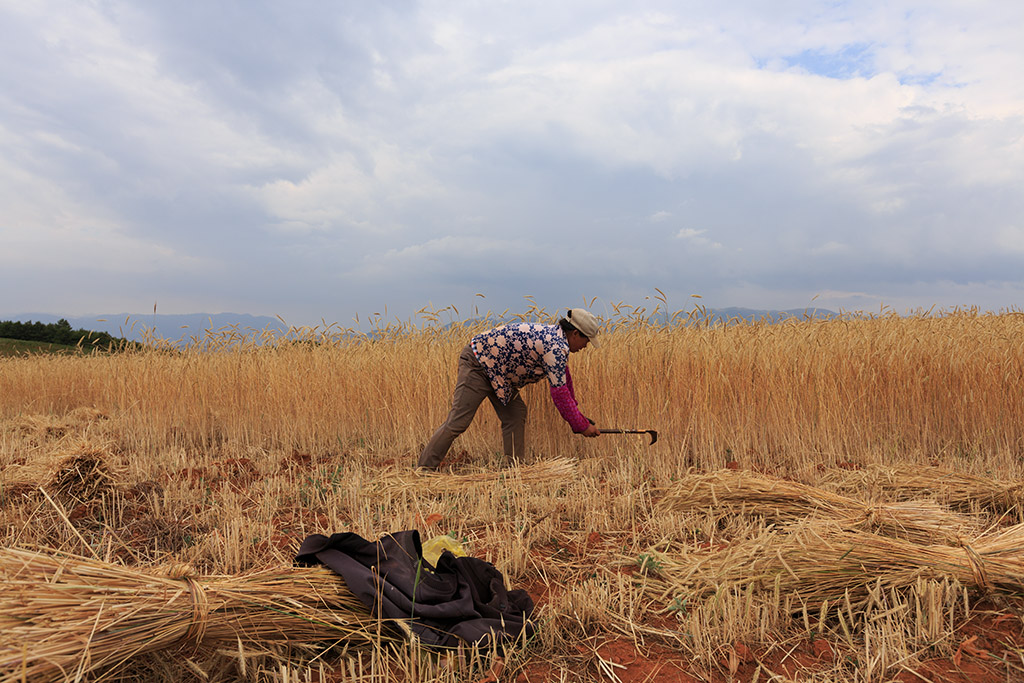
(78, 469)
(83, 475)
(737, 492)
(824, 561)
(956, 489)
(554, 471)
(779, 397)
(66, 616)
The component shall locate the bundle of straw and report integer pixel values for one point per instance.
(732, 492)
(82, 476)
(65, 616)
(555, 470)
(76, 474)
(956, 489)
(827, 562)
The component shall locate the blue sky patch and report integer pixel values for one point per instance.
(853, 61)
(920, 79)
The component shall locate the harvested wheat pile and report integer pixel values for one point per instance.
(75, 473)
(824, 561)
(955, 489)
(83, 475)
(737, 492)
(64, 616)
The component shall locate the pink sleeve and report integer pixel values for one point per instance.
(565, 402)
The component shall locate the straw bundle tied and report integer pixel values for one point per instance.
(732, 492)
(82, 476)
(556, 470)
(956, 489)
(78, 474)
(64, 615)
(827, 562)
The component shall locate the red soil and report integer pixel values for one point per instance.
(991, 643)
(990, 652)
(991, 649)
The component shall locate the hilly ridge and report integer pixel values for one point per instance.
(180, 328)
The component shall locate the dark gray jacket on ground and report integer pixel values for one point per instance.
(462, 599)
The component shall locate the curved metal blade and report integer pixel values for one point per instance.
(652, 432)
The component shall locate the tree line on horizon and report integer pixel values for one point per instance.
(59, 332)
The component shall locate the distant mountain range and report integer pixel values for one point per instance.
(171, 327)
(183, 327)
(754, 314)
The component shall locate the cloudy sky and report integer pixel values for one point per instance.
(325, 160)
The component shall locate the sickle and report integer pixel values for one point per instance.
(653, 433)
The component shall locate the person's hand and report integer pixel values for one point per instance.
(592, 430)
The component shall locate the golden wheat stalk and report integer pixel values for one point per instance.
(825, 561)
(732, 492)
(65, 615)
(956, 489)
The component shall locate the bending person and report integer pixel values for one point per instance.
(497, 363)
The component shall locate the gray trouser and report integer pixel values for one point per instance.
(471, 388)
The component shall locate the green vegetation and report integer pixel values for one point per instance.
(22, 347)
(35, 337)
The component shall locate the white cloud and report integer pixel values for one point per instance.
(46, 230)
(51, 241)
(447, 256)
(1011, 238)
(830, 146)
(349, 192)
(696, 237)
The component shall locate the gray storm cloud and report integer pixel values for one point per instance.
(318, 160)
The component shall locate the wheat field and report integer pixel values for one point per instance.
(828, 500)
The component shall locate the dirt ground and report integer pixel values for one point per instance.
(990, 645)
(991, 650)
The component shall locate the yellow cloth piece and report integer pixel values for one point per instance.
(433, 548)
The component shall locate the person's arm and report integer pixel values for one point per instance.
(565, 403)
(556, 365)
(564, 398)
